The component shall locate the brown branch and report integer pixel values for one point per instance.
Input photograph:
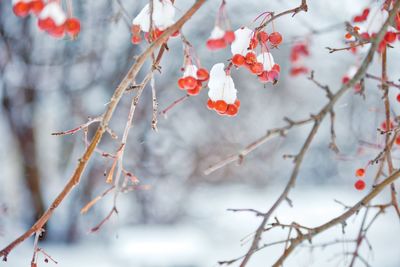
(106, 117)
(317, 121)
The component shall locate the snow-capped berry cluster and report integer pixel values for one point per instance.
(51, 17)
(222, 92)
(244, 54)
(192, 79)
(162, 17)
(222, 35)
(23, 8)
(299, 50)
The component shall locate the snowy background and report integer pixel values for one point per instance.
(182, 221)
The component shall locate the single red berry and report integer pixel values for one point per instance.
(181, 83)
(251, 58)
(202, 74)
(257, 68)
(215, 44)
(360, 172)
(348, 36)
(190, 82)
(358, 19)
(345, 79)
(263, 37)
(275, 38)
(276, 67)
(210, 104)
(57, 31)
(359, 185)
(238, 60)
(21, 9)
(46, 24)
(135, 29)
(365, 13)
(398, 98)
(253, 43)
(365, 35)
(397, 141)
(390, 37)
(221, 106)
(194, 91)
(136, 39)
(232, 110)
(229, 37)
(37, 6)
(73, 26)
(237, 103)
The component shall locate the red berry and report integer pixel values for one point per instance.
(46, 24)
(136, 39)
(238, 60)
(365, 13)
(21, 9)
(194, 91)
(221, 106)
(237, 103)
(384, 126)
(276, 67)
(181, 83)
(398, 98)
(202, 74)
(263, 77)
(360, 172)
(73, 27)
(57, 31)
(359, 185)
(397, 141)
(251, 58)
(390, 37)
(190, 82)
(229, 37)
(210, 104)
(257, 68)
(215, 44)
(253, 43)
(298, 70)
(345, 79)
(275, 38)
(135, 29)
(263, 37)
(37, 6)
(273, 76)
(232, 110)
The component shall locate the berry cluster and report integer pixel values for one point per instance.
(222, 94)
(162, 17)
(222, 35)
(192, 79)
(243, 50)
(299, 50)
(360, 184)
(51, 17)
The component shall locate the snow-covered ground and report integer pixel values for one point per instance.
(209, 233)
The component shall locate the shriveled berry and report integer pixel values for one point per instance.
(238, 60)
(202, 74)
(360, 172)
(229, 37)
(359, 185)
(275, 38)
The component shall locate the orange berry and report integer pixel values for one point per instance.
(190, 82)
(181, 83)
(250, 58)
(348, 35)
(21, 9)
(275, 38)
(360, 172)
(221, 106)
(238, 60)
(232, 110)
(202, 74)
(257, 68)
(73, 26)
(210, 104)
(37, 6)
